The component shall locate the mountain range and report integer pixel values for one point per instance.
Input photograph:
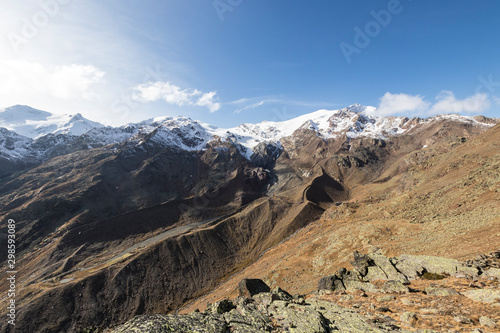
(28, 135)
(165, 214)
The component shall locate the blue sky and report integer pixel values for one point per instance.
(231, 61)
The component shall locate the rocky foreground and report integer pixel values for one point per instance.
(408, 293)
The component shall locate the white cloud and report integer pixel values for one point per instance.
(497, 100)
(251, 106)
(400, 104)
(23, 79)
(172, 94)
(209, 100)
(448, 103)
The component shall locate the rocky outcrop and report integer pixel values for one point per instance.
(274, 311)
(349, 301)
(396, 271)
(265, 154)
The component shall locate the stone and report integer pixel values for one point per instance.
(195, 322)
(407, 301)
(409, 318)
(340, 319)
(413, 266)
(387, 267)
(346, 298)
(484, 295)
(429, 311)
(375, 273)
(386, 298)
(433, 291)
(492, 272)
(361, 263)
(383, 309)
(486, 321)
(332, 282)
(222, 306)
(251, 287)
(246, 318)
(281, 294)
(462, 320)
(353, 285)
(265, 299)
(298, 319)
(393, 286)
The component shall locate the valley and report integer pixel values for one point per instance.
(177, 213)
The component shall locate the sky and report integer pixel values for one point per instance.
(226, 62)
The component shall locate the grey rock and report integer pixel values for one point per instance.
(383, 309)
(393, 286)
(247, 319)
(222, 306)
(407, 301)
(342, 319)
(462, 320)
(195, 322)
(492, 272)
(486, 321)
(433, 291)
(484, 295)
(409, 318)
(352, 285)
(332, 282)
(413, 266)
(375, 273)
(281, 294)
(265, 299)
(299, 318)
(429, 311)
(361, 263)
(386, 298)
(250, 287)
(387, 267)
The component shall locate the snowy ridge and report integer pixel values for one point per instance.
(14, 146)
(35, 123)
(31, 133)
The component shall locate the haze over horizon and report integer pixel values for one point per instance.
(230, 62)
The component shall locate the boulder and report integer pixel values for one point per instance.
(332, 282)
(492, 272)
(413, 266)
(221, 306)
(387, 267)
(484, 295)
(486, 321)
(247, 318)
(250, 287)
(433, 291)
(393, 286)
(361, 263)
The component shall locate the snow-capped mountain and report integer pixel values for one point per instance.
(34, 123)
(32, 133)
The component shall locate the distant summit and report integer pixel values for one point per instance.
(34, 123)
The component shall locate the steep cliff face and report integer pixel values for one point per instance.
(142, 226)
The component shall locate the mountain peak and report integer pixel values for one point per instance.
(34, 123)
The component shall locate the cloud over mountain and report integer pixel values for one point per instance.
(172, 94)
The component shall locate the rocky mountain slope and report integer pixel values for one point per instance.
(380, 294)
(150, 217)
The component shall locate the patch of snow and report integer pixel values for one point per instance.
(35, 123)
